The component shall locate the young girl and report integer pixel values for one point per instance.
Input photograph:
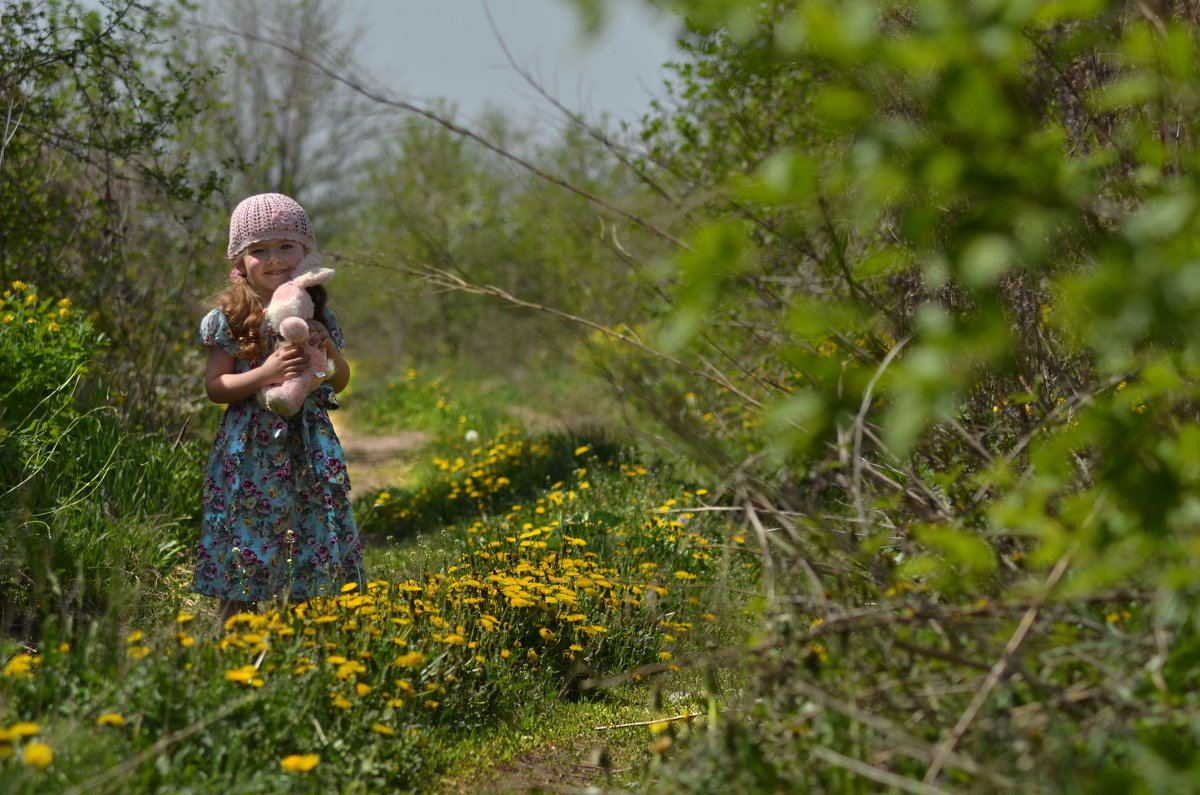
(277, 519)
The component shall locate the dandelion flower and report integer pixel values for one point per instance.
(111, 719)
(241, 675)
(386, 731)
(300, 763)
(183, 617)
(411, 660)
(22, 729)
(362, 689)
(19, 666)
(38, 755)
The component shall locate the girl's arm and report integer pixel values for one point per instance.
(225, 386)
(341, 371)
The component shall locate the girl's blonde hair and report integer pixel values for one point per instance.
(244, 313)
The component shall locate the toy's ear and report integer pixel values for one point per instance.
(314, 277)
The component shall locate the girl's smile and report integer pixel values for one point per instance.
(270, 263)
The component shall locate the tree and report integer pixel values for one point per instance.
(285, 126)
(435, 199)
(96, 182)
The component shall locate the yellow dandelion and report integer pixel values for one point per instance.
(183, 617)
(411, 660)
(23, 729)
(546, 633)
(19, 667)
(362, 689)
(19, 285)
(341, 702)
(111, 719)
(348, 587)
(300, 763)
(664, 655)
(380, 728)
(38, 755)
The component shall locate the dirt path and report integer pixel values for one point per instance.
(378, 461)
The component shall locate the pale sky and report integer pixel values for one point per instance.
(446, 48)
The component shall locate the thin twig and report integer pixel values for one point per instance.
(860, 420)
(876, 774)
(399, 104)
(946, 747)
(687, 716)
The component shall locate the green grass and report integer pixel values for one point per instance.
(517, 571)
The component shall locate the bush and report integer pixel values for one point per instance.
(90, 508)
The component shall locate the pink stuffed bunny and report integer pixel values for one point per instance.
(288, 314)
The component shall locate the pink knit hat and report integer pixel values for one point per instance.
(267, 216)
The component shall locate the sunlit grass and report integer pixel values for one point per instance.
(561, 567)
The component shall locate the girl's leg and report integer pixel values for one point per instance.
(231, 607)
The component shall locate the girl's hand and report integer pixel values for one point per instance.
(318, 336)
(288, 361)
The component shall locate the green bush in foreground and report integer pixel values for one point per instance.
(946, 266)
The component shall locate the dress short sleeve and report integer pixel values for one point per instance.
(215, 333)
(335, 329)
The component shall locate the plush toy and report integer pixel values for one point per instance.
(288, 314)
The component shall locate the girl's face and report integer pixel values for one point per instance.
(269, 263)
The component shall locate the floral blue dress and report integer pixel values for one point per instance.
(276, 502)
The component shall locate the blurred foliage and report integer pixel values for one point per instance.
(942, 272)
(434, 199)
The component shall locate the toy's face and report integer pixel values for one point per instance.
(269, 263)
